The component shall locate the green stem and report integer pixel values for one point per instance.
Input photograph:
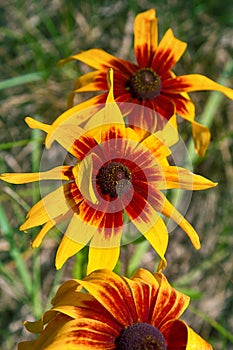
(80, 266)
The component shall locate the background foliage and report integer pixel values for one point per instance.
(34, 36)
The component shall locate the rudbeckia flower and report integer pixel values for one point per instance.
(150, 81)
(116, 174)
(106, 311)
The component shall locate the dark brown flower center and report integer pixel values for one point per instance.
(144, 84)
(113, 179)
(141, 336)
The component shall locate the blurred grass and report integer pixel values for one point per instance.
(34, 36)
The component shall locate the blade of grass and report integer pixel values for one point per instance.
(15, 253)
(216, 325)
(22, 79)
(10, 145)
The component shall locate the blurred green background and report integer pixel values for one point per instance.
(34, 36)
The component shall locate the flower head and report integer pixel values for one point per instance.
(106, 311)
(116, 174)
(150, 81)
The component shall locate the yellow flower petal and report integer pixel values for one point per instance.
(40, 236)
(57, 173)
(83, 178)
(66, 133)
(34, 327)
(67, 291)
(87, 82)
(196, 342)
(131, 134)
(148, 277)
(100, 258)
(201, 137)
(169, 134)
(104, 249)
(77, 235)
(50, 207)
(170, 211)
(75, 115)
(66, 249)
(35, 124)
(157, 236)
(158, 148)
(177, 177)
(109, 116)
(112, 114)
(95, 58)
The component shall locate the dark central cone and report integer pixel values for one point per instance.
(141, 336)
(113, 179)
(144, 84)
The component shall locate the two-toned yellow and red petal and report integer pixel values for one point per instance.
(143, 295)
(100, 60)
(113, 294)
(83, 333)
(170, 304)
(179, 336)
(145, 37)
(195, 82)
(182, 102)
(168, 53)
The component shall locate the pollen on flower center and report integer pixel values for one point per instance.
(113, 179)
(141, 336)
(144, 84)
